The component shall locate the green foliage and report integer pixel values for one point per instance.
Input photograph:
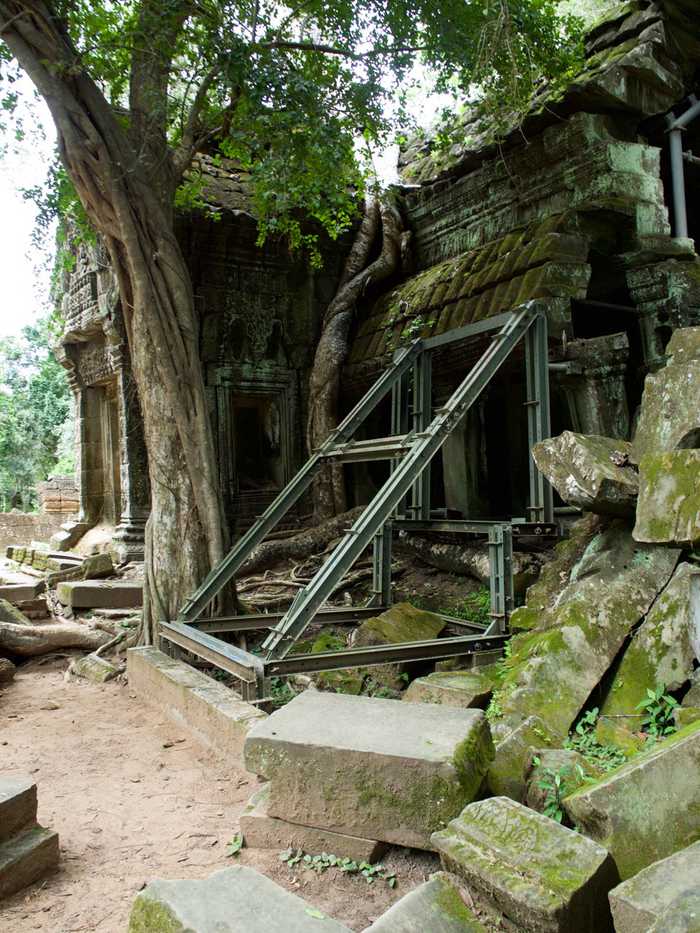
(584, 741)
(35, 408)
(658, 707)
(321, 863)
(475, 607)
(558, 783)
(280, 692)
(235, 845)
(300, 95)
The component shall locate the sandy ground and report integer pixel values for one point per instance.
(135, 798)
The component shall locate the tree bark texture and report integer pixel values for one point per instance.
(333, 346)
(126, 180)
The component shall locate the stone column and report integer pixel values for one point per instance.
(594, 385)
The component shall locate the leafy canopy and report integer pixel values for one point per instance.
(297, 92)
(35, 413)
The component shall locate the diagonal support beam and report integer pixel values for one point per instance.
(309, 600)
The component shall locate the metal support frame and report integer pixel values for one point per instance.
(417, 435)
(501, 576)
(541, 506)
(676, 126)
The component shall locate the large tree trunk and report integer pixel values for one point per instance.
(333, 346)
(126, 183)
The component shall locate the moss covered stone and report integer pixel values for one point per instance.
(458, 688)
(507, 775)
(540, 875)
(229, 901)
(371, 767)
(656, 894)
(542, 595)
(648, 808)
(583, 470)
(661, 651)
(668, 511)
(552, 671)
(434, 907)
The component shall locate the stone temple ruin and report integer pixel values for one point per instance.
(582, 222)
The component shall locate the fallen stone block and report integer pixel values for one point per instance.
(681, 916)
(571, 768)
(685, 716)
(216, 716)
(11, 614)
(434, 907)
(27, 857)
(554, 668)
(93, 668)
(590, 472)
(647, 809)
(459, 688)
(7, 671)
(401, 623)
(262, 831)
(543, 877)
(668, 510)
(661, 651)
(17, 804)
(103, 594)
(668, 418)
(235, 900)
(21, 592)
(645, 899)
(506, 775)
(692, 697)
(407, 768)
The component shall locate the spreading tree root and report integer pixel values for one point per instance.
(472, 561)
(32, 640)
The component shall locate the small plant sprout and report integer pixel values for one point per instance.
(658, 707)
(321, 863)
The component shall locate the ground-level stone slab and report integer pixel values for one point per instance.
(456, 688)
(544, 877)
(102, 594)
(262, 831)
(26, 857)
(21, 592)
(681, 916)
(370, 767)
(642, 900)
(211, 711)
(589, 472)
(434, 907)
(235, 900)
(17, 804)
(647, 809)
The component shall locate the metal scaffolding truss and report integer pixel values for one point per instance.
(418, 433)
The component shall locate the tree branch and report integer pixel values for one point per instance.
(318, 47)
(190, 138)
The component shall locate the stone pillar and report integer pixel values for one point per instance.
(129, 537)
(594, 385)
(667, 294)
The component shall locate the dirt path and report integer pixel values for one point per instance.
(135, 798)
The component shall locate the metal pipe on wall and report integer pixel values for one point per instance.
(676, 125)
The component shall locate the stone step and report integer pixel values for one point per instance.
(434, 907)
(376, 768)
(21, 592)
(17, 804)
(543, 877)
(102, 594)
(27, 857)
(234, 900)
(262, 831)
